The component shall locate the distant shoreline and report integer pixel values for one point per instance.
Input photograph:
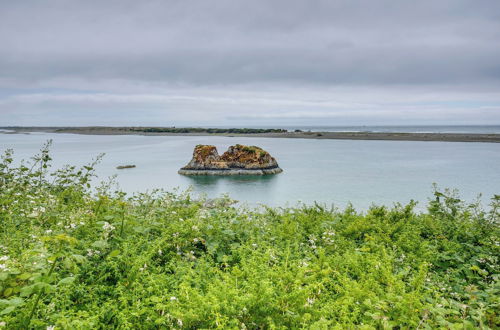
(157, 131)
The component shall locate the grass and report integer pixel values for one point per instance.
(72, 257)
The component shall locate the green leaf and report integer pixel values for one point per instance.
(24, 276)
(114, 253)
(7, 310)
(16, 301)
(66, 280)
(100, 244)
(78, 258)
(27, 291)
(7, 292)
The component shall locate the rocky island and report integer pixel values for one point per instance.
(237, 160)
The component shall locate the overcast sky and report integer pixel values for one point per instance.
(249, 63)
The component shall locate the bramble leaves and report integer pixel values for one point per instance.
(73, 258)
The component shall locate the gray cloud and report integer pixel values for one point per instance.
(129, 54)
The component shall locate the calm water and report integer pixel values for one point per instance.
(326, 171)
(477, 129)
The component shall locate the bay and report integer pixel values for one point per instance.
(325, 171)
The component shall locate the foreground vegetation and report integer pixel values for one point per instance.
(75, 258)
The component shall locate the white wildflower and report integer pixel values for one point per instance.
(50, 327)
(4, 258)
(194, 228)
(3, 267)
(173, 298)
(48, 231)
(328, 237)
(33, 214)
(108, 227)
(160, 252)
(179, 322)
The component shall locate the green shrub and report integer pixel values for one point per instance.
(77, 258)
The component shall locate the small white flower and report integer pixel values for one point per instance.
(4, 258)
(108, 227)
(49, 231)
(3, 324)
(173, 298)
(50, 327)
(179, 322)
(3, 267)
(33, 214)
(160, 252)
(194, 228)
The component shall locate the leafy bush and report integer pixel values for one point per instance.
(76, 258)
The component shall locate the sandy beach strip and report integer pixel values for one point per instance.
(391, 136)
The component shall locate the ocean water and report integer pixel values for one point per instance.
(476, 129)
(325, 171)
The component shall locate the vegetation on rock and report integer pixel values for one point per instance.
(76, 258)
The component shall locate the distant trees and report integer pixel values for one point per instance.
(208, 130)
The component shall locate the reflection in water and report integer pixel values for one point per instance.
(213, 185)
(209, 180)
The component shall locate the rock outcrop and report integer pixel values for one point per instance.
(237, 160)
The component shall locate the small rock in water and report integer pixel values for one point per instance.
(121, 167)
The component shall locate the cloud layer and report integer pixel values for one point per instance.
(231, 61)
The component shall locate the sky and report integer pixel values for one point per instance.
(249, 63)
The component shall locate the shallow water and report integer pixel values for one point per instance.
(326, 171)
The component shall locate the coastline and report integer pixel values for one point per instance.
(386, 136)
